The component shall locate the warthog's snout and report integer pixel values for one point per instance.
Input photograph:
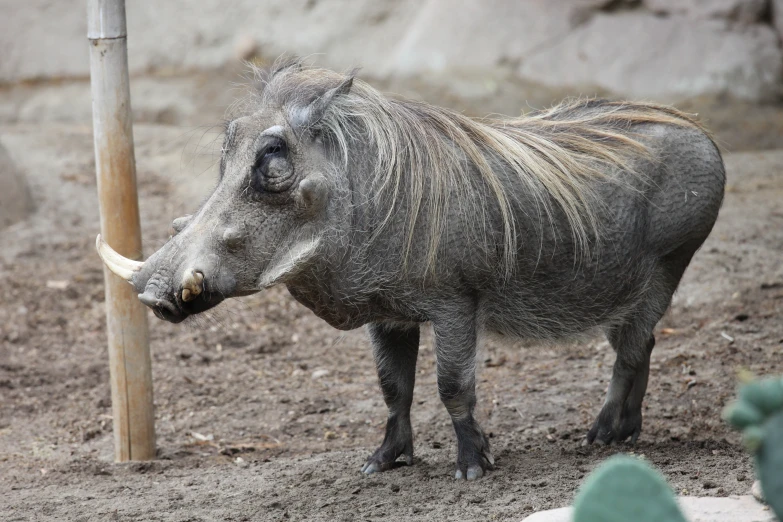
(176, 303)
(162, 307)
(199, 288)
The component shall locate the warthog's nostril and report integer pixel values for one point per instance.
(163, 308)
(153, 302)
(148, 299)
(192, 285)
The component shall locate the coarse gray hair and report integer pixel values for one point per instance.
(429, 156)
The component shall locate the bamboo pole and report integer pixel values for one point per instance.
(129, 356)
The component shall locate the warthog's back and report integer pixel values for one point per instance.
(688, 189)
(664, 209)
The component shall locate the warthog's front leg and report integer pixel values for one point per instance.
(455, 349)
(395, 349)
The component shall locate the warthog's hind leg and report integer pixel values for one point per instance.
(621, 415)
(395, 350)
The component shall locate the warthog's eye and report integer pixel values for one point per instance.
(273, 148)
(277, 148)
(266, 178)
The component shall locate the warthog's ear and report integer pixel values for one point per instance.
(309, 116)
(288, 261)
(294, 64)
(180, 223)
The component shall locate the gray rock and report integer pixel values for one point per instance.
(757, 492)
(551, 515)
(644, 56)
(777, 16)
(16, 202)
(743, 11)
(44, 39)
(726, 509)
(449, 36)
(699, 49)
(697, 509)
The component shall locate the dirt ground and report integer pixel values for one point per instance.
(264, 412)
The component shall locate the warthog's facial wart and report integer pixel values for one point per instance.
(262, 224)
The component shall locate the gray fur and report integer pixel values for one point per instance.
(540, 227)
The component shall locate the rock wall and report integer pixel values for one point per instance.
(662, 49)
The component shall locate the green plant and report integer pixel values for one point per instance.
(626, 489)
(758, 413)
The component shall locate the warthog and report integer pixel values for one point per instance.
(392, 213)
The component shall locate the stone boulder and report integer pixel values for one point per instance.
(697, 509)
(45, 39)
(641, 55)
(742, 11)
(624, 46)
(777, 16)
(15, 200)
(477, 37)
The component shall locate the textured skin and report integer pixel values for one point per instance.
(651, 225)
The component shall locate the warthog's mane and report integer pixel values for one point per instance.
(428, 156)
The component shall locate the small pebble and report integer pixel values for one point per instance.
(319, 373)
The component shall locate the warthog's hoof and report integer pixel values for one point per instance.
(474, 458)
(475, 470)
(609, 428)
(385, 457)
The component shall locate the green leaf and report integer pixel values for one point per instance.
(766, 395)
(742, 414)
(625, 489)
(752, 438)
(769, 462)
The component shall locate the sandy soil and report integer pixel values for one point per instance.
(266, 413)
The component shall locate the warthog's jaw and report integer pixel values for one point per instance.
(170, 302)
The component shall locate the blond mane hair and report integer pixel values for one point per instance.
(429, 155)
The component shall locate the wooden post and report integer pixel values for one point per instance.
(129, 355)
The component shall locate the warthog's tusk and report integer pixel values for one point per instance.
(192, 285)
(119, 265)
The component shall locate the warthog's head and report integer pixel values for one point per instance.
(263, 223)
